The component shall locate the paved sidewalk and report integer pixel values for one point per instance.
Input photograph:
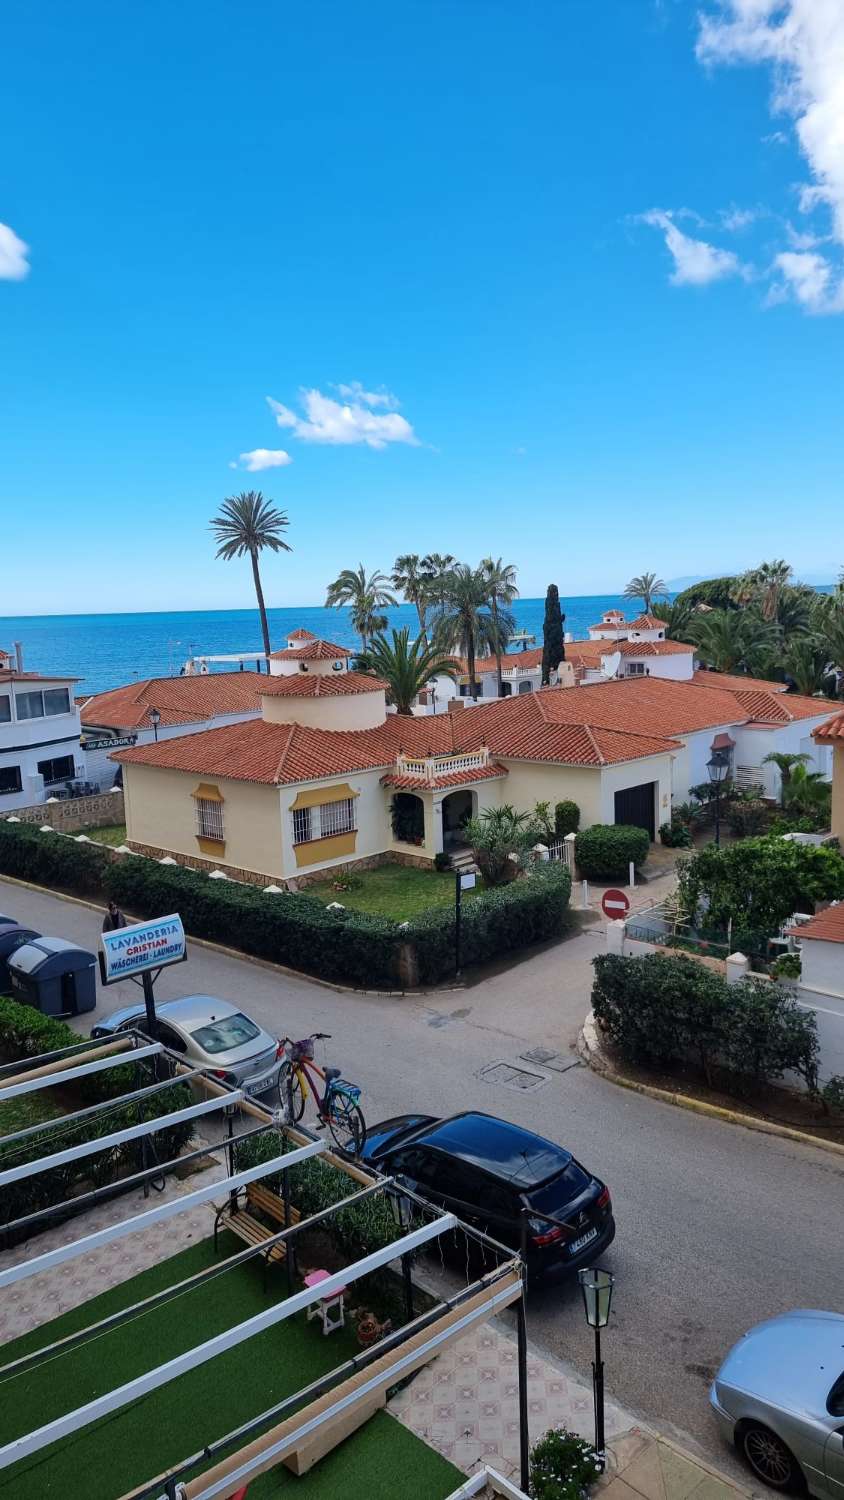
(644, 1466)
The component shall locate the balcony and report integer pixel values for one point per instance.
(429, 768)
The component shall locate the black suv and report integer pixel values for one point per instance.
(486, 1171)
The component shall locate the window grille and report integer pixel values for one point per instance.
(302, 825)
(209, 819)
(337, 817)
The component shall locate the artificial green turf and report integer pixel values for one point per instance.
(28, 1109)
(118, 1452)
(112, 833)
(397, 891)
(381, 1461)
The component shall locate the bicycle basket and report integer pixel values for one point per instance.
(303, 1051)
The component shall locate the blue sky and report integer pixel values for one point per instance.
(563, 281)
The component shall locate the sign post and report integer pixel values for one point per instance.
(464, 882)
(134, 952)
(615, 904)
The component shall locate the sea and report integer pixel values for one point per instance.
(106, 651)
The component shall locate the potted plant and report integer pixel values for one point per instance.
(563, 1466)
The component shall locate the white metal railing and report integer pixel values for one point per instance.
(429, 767)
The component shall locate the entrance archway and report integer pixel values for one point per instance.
(407, 816)
(457, 808)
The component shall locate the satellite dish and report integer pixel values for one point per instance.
(611, 664)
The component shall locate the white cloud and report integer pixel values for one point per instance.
(696, 262)
(811, 280)
(735, 219)
(14, 265)
(351, 421)
(263, 458)
(356, 392)
(803, 42)
(776, 138)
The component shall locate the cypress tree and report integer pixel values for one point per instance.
(553, 645)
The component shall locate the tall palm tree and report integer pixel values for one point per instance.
(437, 568)
(808, 793)
(678, 619)
(464, 623)
(834, 633)
(364, 598)
(645, 586)
(405, 668)
(501, 591)
(785, 763)
(729, 640)
(411, 579)
(806, 661)
(764, 586)
(249, 523)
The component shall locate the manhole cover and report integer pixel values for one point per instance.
(508, 1076)
(558, 1062)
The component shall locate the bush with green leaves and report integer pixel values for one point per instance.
(660, 1010)
(832, 1095)
(530, 910)
(675, 835)
(747, 817)
(563, 1466)
(787, 966)
(566, 818)
(49, 859)
(605, 851)
(759, 882)
(501, 840)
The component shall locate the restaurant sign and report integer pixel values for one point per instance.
(112, 742)
(146, 945)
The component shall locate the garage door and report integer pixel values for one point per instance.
(635, 805)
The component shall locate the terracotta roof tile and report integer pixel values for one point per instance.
(324, 685)
(312, 650)
(179, 700)
(828, 926)
(302, 635)
(833, 729)
(646, 622)
(706, 677)
(653, 648)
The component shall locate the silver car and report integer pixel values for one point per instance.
(211, 1034)
(779, 1396)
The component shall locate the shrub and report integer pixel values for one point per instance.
(832, 1095)
(501, 841)
(407, 818)
(787, 966)
(759, 882)
(604, 851)
(675, 835)
(51, 860)
(442, 861)
(530, 910)
(747, 817)
(660, 1010)
(566, 818)
(562, 1466)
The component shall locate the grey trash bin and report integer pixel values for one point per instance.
(54, 976)
(12, 935)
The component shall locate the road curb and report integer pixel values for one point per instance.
(265, 963)
(593, 1054)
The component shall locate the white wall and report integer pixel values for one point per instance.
(690, 770)
(99, 767)
(25, 742)
(372, 814)
(823, 965)
(678, 667)
(614, 779)
(752, 745)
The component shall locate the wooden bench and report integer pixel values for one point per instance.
(241, 1220)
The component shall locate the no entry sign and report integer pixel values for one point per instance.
(615, 904)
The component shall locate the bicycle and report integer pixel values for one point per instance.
(337, 1106)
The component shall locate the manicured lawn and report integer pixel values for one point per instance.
(113, 833)
(133, 1445)
(397, 891)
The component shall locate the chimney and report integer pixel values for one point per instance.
(18, 656)
(456, 705)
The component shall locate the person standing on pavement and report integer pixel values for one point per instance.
(113, 918)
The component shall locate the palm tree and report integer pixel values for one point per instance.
(436, 569)
(364, 598)
(785, 764)
(249, 523)
(677, 618)
(806, 661)
(405, 668)
(808, 793)
(412, 580)
(834, 633)
(764, 586)
(463, 622)
(645, 586)
(501, 590)
(729, 640)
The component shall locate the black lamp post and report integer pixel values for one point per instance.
(155, 719)
(596, 1286)
(401, 1208)
(717, 766)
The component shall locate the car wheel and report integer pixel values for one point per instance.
(770, 1459)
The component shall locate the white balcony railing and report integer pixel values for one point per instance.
(430, 767)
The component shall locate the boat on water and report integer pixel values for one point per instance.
(200, 666)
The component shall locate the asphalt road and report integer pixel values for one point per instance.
(718, 1227)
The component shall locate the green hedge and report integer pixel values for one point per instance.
(298, 930)
(604, 851)
(566, 818)
(25, 1033)
(660, 1011)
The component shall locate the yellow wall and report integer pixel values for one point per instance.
(373, 833)
(838, 793)
(529, 783)
(160, 812)
(351, 711)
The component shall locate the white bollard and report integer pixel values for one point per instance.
(584, 901)
(737, 967)
(632, 876)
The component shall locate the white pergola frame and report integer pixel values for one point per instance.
(118, 1137)
(133, 1390)
(69, 1075)
(157, 1215)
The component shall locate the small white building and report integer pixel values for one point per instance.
(305, 652)
(521, 672)
(821, 985)
(39, 735)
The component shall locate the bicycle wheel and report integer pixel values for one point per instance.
(346, 1123)
(290, 1093)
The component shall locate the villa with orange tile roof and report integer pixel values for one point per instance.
(829, 738)
(326, 774)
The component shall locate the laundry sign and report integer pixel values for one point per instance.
(146, 945)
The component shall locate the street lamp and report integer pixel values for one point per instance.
(717, 767)
(596, 1286)
(155, 719)
(401, 1208)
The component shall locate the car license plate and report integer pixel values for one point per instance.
(583, 1241)
(258, 1085)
